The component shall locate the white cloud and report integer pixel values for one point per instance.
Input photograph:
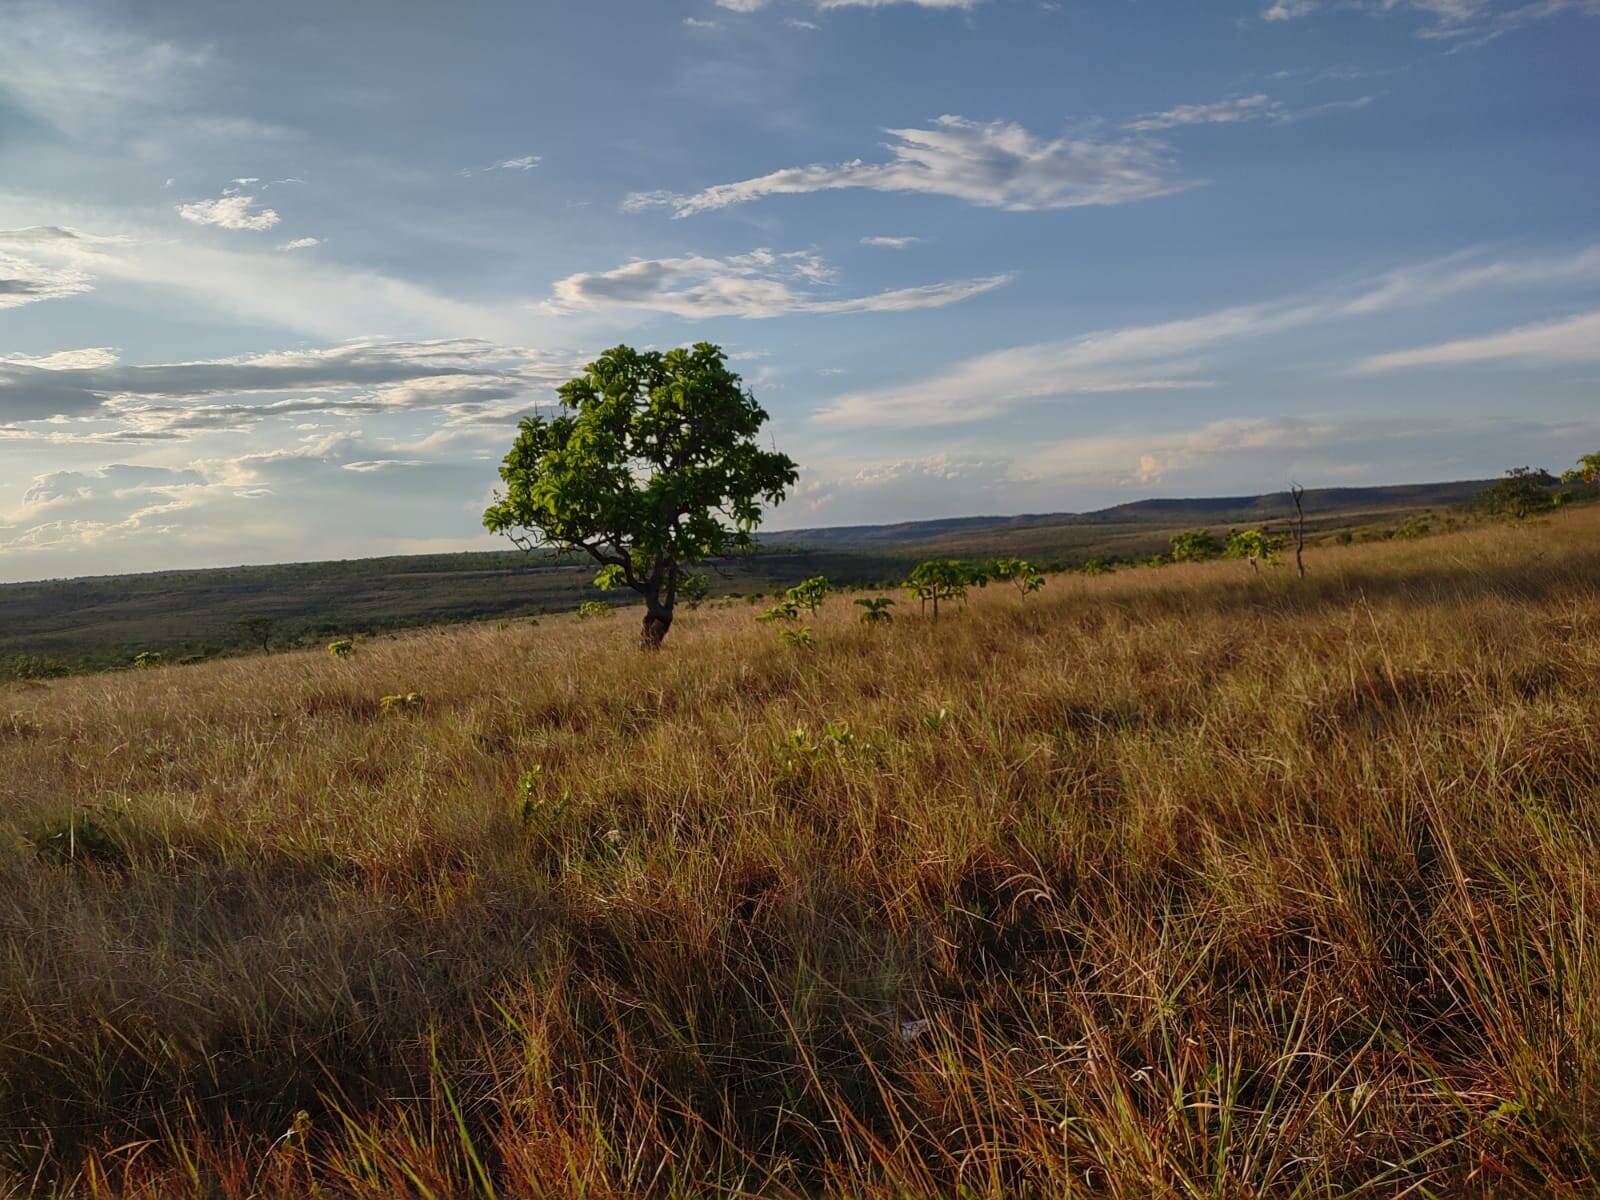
(87, 356)
(1237, 109)
(997, 164)
(742, 6)
(1462, 22)
(1168, 355)
(300, 243)
(229, 212)
(1221, 112)
(890, 243)
(463, 378)
(293, 291)
(23, 281)
(71, 72)
(525, 162)
(1466, 272)
(759, 284)
(697, 23)
(1550, 343)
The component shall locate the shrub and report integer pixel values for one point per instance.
(148, 658)
(809, 594)
(1018, 572)
(342, 649)
(944, 579)
(590, 609)
(1523, 492)
(1255, 546)
(408, 702)
(1197, 545)
(800, 638)
(784, 610)
(876, 610)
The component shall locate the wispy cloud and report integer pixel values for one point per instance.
(300, 243)
(762, 283)
(462, 377)
(23, 281)
(1550, 343)
(1462, 22)
(1220, 112)
(998, 164)
(525, 162)
(1171, 355)
(890, 243)
(236, 211)
(1238, 109)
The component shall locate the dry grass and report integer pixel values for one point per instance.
(1201, 886)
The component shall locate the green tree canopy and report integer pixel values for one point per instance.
(1587, 470)
(651, 467)
(944, 579)
(1255, 546)
(1522, 492)
(1198, 545)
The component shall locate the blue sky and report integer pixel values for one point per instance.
(276, 281)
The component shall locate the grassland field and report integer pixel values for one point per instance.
(55, 627)
(1162, 883)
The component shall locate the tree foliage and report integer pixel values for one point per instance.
(1197, 545)
(875, 610)
(1587, 470)
(1521, 493)
(651, 467)
(1019, 573)
(1255, 546)
(810, 593)
(944, 579)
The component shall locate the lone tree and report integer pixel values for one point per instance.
(258, 630)
(652, 468)
(1522, 492)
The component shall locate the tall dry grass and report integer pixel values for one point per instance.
(1162, 884)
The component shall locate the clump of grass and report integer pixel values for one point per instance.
(1164, 884)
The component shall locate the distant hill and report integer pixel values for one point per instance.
(74, 624)
(1319, 503)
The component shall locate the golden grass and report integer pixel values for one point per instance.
(1200, 886)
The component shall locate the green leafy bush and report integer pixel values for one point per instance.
(1255, 546)
(1197, 545)
(944, 579)
(876, 610)
(1018, 572)
(799, 638)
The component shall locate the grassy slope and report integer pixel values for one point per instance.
(99, 623)
(1200, 886)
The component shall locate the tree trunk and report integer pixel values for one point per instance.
(656, 624)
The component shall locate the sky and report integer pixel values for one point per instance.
(277, 281)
